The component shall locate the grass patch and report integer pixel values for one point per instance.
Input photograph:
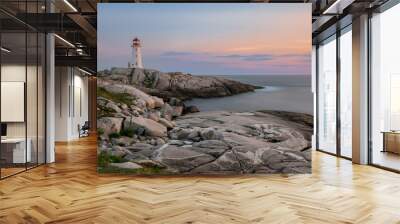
(116, 97)
(105, 111)
(103, 159)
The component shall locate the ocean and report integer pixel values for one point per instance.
(281, 92)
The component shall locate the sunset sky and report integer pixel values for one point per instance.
(208, 39)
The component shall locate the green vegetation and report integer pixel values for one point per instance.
(105, 111)
(100, 131)
(129, 132)
(124, 98)
(149, 80)
(103, 159)
(114, 135)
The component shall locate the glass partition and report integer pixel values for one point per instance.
(22, 88)
(327, 95)
(41, 97)
(14, 153)
(385, 89)
(31, 97)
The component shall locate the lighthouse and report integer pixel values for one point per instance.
(137, 53)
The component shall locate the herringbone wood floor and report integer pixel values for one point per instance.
(70, 191)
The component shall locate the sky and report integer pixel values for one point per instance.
(208, 38)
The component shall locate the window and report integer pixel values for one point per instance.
(385, 89)
(327, 95)
(346, 93)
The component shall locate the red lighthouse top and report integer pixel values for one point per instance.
(136, 42)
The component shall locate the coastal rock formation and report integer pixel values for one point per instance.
(174, 84)
(259, 142)
(225, 142)
(180, 159)
(151, 127)
(110, 124)
(145, 128)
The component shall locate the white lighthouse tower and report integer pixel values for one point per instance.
(137, 53)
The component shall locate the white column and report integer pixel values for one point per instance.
(50, 98)
(360, 90)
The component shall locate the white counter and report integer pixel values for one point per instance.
(19, 154)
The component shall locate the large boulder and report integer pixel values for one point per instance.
(154, 115)
(139, 151)
(123, 141)
(190, 109)
(152, 128)
(211, 147)
(109, 125)
(139, 147)
(167, 111)
(226, 163)
(158, 102)
(211, 134)
(180, 133)
(173, 101)
(180, 159)
(119, 151)
(108, 105)
(177, 111)
(284, 160)
(122, 88)
(166, 123)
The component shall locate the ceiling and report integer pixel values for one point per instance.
(76, 21)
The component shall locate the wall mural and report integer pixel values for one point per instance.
(204, 88)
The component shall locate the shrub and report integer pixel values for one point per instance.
(129, 132)
(102, 159)
(100, 131)
(149, 80)
(114, 135)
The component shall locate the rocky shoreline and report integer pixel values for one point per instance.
(175, 84)
(147, 129)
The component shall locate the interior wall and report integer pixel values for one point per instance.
(61, 103)
(71, 102)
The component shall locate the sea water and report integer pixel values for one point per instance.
(280, 92)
